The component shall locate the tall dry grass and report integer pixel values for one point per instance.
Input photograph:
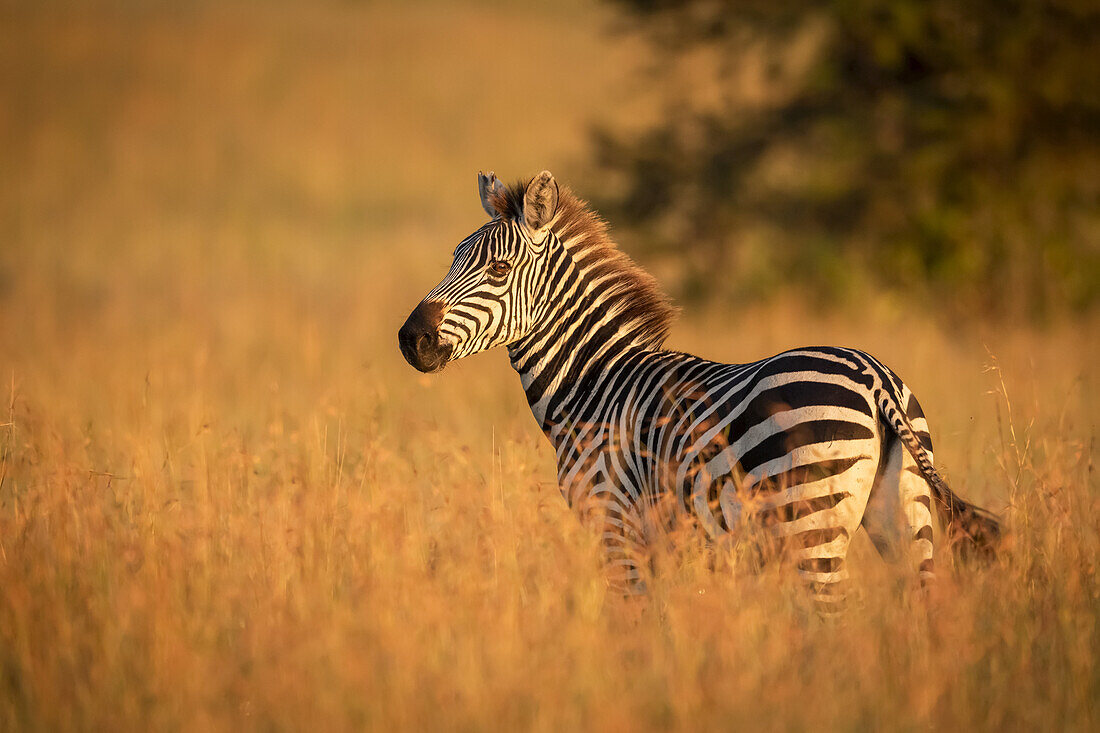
(225, 502)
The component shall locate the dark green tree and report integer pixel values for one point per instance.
(942, 148)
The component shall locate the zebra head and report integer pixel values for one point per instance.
(492, 294)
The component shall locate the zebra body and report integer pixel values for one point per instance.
(807, 445)
(793, 443)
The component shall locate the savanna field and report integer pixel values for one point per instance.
(227, 503)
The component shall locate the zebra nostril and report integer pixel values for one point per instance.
(424, 341)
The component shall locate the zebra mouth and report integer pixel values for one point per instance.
(431, 366)
(424, 353)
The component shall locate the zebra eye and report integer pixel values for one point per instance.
(500, 268)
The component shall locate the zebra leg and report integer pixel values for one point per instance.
(622, 540)
(898, 517)
(624, 551)
(916, 502)
(818, 527)
(822, 565)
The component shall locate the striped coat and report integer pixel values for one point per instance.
(794, 452)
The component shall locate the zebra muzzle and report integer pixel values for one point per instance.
(419, 338)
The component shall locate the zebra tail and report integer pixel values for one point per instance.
(973, 533)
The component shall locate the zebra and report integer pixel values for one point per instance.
(800, 449)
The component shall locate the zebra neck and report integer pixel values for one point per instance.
(568, 370)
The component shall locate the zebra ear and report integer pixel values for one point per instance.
(487, 185)
(540, 201)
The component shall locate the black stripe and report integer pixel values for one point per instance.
(461, 326)
(820, 564)
(792, 396)
(796, 362)
(851, 356)
(924, 439)
(799, 509)
(815, 537)
(714, 492)
(811, 432)
(806, 474)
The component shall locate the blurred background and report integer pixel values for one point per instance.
(839, 152)
(226, 501)
(931, 149)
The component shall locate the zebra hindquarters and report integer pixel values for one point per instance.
(898, 517)
(811, 512)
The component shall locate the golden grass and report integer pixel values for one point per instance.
(225, 501)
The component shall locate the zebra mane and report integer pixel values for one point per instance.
(633, 291)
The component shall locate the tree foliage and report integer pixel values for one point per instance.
(944, 149)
